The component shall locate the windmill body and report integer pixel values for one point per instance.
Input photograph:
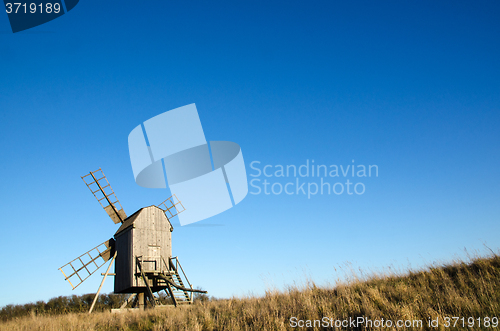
(142, 249)
(144, 238)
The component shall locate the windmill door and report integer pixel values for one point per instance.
(154, 257)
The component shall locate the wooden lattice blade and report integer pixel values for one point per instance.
(171, 206)
(81, 268)
(98, 184)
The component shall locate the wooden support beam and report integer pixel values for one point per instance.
(150, 293)
(130, 298)
(100, 286)
(142, 300)
(174, 300)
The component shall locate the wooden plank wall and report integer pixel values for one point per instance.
(124, 273)
(150, 232)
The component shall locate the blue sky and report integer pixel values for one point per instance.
(412, 87)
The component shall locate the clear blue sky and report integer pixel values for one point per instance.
(410, 86)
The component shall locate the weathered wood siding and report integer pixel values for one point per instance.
(124, 274)
(148, 235)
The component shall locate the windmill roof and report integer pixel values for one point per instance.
(129, 221)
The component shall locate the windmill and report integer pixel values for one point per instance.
(141, 249)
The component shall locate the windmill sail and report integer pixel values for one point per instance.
(98, 184)
(78, 270)
(171, 207)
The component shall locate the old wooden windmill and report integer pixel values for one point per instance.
(141, 249)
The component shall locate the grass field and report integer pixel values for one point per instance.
(469, 290)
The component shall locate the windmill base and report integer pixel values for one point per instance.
(140, 302)
(135, 310)
(169, 281)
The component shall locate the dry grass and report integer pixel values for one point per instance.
(462, 290)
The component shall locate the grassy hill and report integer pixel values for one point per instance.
(460, 294)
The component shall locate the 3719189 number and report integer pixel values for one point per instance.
(19, 7)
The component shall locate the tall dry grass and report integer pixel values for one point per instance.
(460, 289)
